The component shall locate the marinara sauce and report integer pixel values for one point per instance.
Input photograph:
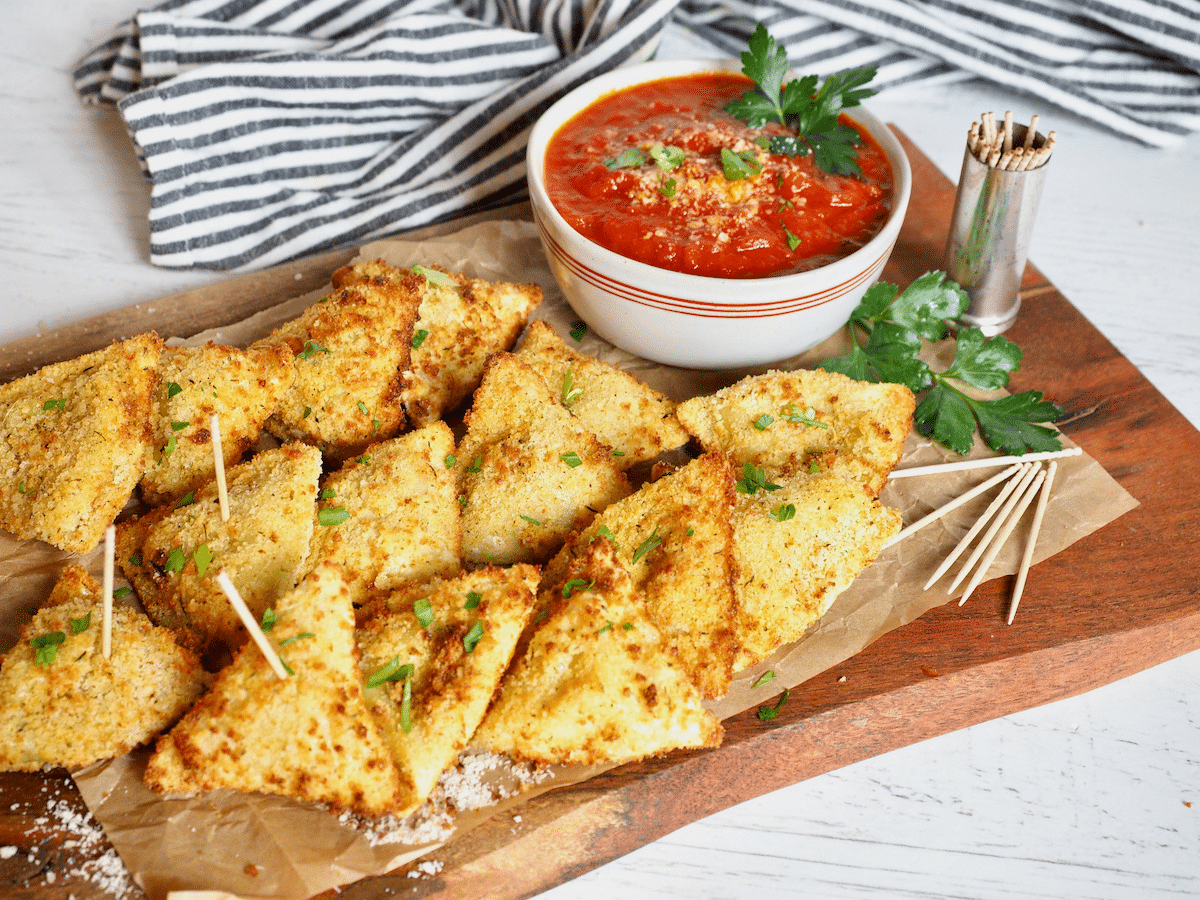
(685, 214)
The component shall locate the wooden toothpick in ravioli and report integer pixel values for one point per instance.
(241, 387)
(73, 443)
(351, 351)
(307, 736)
(637, 422)
(596, 683)
(461, 322)
(530, 473)
(173, 554)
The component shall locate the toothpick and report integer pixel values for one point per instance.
(1030, 133)
(110, 536)
(1031, 542)
(1008, 132)
(984, 463)
(952, 505)
(214, 429)
(1021, 482)
(256, 632)
(1001, 538)
(979, 525)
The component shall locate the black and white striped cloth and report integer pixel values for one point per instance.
(273, 129)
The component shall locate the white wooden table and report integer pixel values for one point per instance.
(1093, 797)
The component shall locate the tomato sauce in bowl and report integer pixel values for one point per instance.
(641, 173)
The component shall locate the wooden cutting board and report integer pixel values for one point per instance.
(1098, 611)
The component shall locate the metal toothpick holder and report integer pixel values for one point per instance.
(994, 211)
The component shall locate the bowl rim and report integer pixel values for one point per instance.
(617, 79)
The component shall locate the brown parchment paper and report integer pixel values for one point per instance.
(225, 844)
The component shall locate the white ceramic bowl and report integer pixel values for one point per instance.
(696, 321)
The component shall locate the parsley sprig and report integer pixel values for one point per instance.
(808, 111)
(888, 329)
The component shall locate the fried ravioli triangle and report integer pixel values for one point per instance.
(240, 387)
(73, 443)
(674, 536)
(784, 422)
(797, 548)
(637, 422)
(173, 554)
(307, 736)
(62, 703)
(530, 472)
(461, 322)
(351, 350)
(391, 515)
(596, 683)
(432, 658)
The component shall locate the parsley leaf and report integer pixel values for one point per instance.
(472, 637)
(647, 545)
(739, 165)
(754, 479)
(629, 159)
(808, 111)
(897, 323)
(767, 713)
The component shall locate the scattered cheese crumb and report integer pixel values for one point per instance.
(426, 869)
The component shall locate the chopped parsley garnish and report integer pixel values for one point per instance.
(120, 592)
(476, 464)
(792, 241)
(765, 678)
(450, 460)
(606, 532)
(296, 637)
(179, 426)
(570, 393)
(895, 323)
(433, 276)
(173, 389)
(418, 338)
(667, 157)
(647, 545)
(571, 458)
(763, 422)
(332, 515)
(631, 158)
(578, 329)
(135, 559)
(21, 489)
(392, 670)
(423, 610)
(406, 706)
(307, 412)
(754, 479)
(767, 713)
(176, 560)
(531, 520)
(186, 500)
(473, 600)
(472, 637)
(311, 349)
(364, 460)
(569, 588)
(268, 619)
(808, 417)
(80, 625)
(362, 408)
(327, 494)
(60, 404)
(809, 112)
(785, 512)
(668, 187)
(203, 557)
(169, 447)
(46, 646)
(608, 626)
(739, 165)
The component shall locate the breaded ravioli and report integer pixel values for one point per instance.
(784, 422)
(392, 514)
(797, 548)
(308, 736)
(241, 387)
(63, 703)
(173, 554)
(530, 473)
(351, 351)
(432, 657)
(596, 683)
(675, 537)
(461, 322)
(73, 442)
(636, 421)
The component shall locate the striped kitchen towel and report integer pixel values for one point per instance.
(274, 129)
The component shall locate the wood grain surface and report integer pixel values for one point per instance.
(1105, 610)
